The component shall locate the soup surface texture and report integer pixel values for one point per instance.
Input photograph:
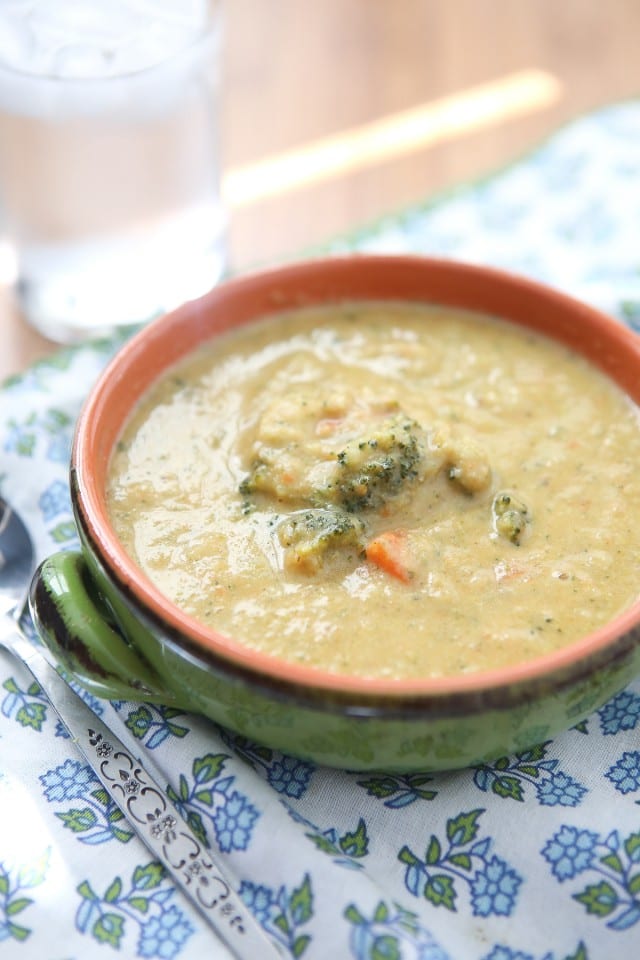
(385, 490)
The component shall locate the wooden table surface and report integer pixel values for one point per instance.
(336, 113)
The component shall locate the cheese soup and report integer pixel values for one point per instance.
(385, 490)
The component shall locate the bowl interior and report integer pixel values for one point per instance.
(608, 344)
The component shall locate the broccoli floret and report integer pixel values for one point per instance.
(307, 536)
(375, 467)
(511, 517)
(254, 481)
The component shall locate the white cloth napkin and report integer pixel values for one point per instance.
(533, 857)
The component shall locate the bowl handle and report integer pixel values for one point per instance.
(75, 622)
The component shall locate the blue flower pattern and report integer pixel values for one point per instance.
(283, 913)
(209, 797)
(458, 859)
(494, 889)
(98, 819)
(287, 775)
(163, 936)
(144, 906)
(382, 866)
(69, 781)
(570, 851)
(54, 500)
(625, 774)
(508, 777)
(612, 863)
(234, 822)
(391, 931)
(621, 713)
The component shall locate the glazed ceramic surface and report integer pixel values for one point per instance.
(124, 640)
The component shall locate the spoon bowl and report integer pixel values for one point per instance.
(17, 561)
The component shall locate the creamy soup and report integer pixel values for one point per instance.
(385, 490)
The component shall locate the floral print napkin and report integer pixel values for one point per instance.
(535, 856)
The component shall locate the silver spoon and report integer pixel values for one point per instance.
(143, 802)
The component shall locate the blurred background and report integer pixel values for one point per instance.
(337, 113)
(304, 76)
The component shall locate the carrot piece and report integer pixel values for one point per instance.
(388, 551)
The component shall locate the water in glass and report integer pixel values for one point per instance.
(109, 179)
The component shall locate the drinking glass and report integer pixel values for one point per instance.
(109, 158)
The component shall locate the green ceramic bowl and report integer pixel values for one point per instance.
(122, 639)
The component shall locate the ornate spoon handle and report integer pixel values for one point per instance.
(149, 811)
